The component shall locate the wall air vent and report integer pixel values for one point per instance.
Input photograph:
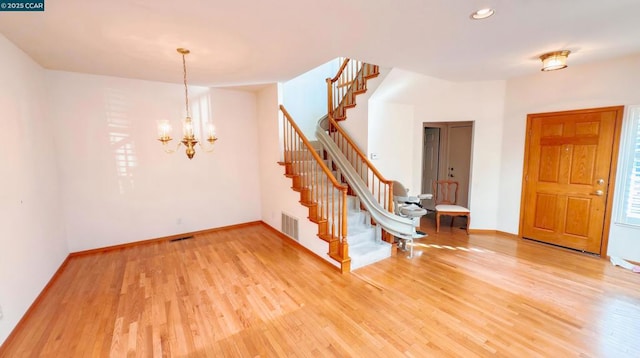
(290, 226)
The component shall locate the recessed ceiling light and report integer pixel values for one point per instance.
(482, 14)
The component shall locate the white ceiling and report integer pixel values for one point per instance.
(239, 42)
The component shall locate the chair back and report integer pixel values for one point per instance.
(445, 192)
(399, 189)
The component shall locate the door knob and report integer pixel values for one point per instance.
(600, 181)
(598, 193)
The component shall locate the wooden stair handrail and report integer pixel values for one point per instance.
(340, 70)
(315, 155)
(363, 157)
(331, 81)
(357, 150)
(327, 203)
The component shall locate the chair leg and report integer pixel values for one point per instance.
(452, 218)
(437, 222)
(468, 223)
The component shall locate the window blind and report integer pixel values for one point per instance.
(629, 212)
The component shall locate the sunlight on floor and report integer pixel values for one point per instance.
(447, 247)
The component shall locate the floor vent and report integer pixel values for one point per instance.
(290, 226)
(181, 238)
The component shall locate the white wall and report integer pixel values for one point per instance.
(305, 97)
(109, 200)
(435, 100)
(276, 194)
(608, 83)
(392, 137)
(32, 239)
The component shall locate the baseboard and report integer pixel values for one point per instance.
(34, 304)
(608, 258)
(508, 234)
(493, 232)
(482, 232)
(297, 244)
(161, 239)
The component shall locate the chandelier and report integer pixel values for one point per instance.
(189, 139)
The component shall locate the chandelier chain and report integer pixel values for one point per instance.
(186, 89)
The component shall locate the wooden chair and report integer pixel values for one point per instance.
(445, 194)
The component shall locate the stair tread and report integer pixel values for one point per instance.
(369, 253)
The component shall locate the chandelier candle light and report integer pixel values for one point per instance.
(188, 137)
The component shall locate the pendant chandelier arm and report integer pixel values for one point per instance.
(207, 148)
(167, 148)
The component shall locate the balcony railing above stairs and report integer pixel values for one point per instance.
(319, 190)
(350, 81)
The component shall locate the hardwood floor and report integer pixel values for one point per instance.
(247, 292)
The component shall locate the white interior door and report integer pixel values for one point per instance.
(459, 159)
(430, 159)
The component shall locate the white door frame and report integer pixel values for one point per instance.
(443, 152)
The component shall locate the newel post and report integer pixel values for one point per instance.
(329, 96)
(390, 200)
(344, 247)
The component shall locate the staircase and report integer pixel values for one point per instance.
(346, 196)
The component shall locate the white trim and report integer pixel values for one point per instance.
(629, 154)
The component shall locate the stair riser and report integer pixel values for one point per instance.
(368, 236)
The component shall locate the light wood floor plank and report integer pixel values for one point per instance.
(246, 292)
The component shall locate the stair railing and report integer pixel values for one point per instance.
(319, 189)
(350, 80)
(381, 188)
(393, 225)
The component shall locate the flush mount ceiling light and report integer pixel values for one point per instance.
(554, 60)
(189, 128)
(482, 14)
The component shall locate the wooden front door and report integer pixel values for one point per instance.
(569, 167)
